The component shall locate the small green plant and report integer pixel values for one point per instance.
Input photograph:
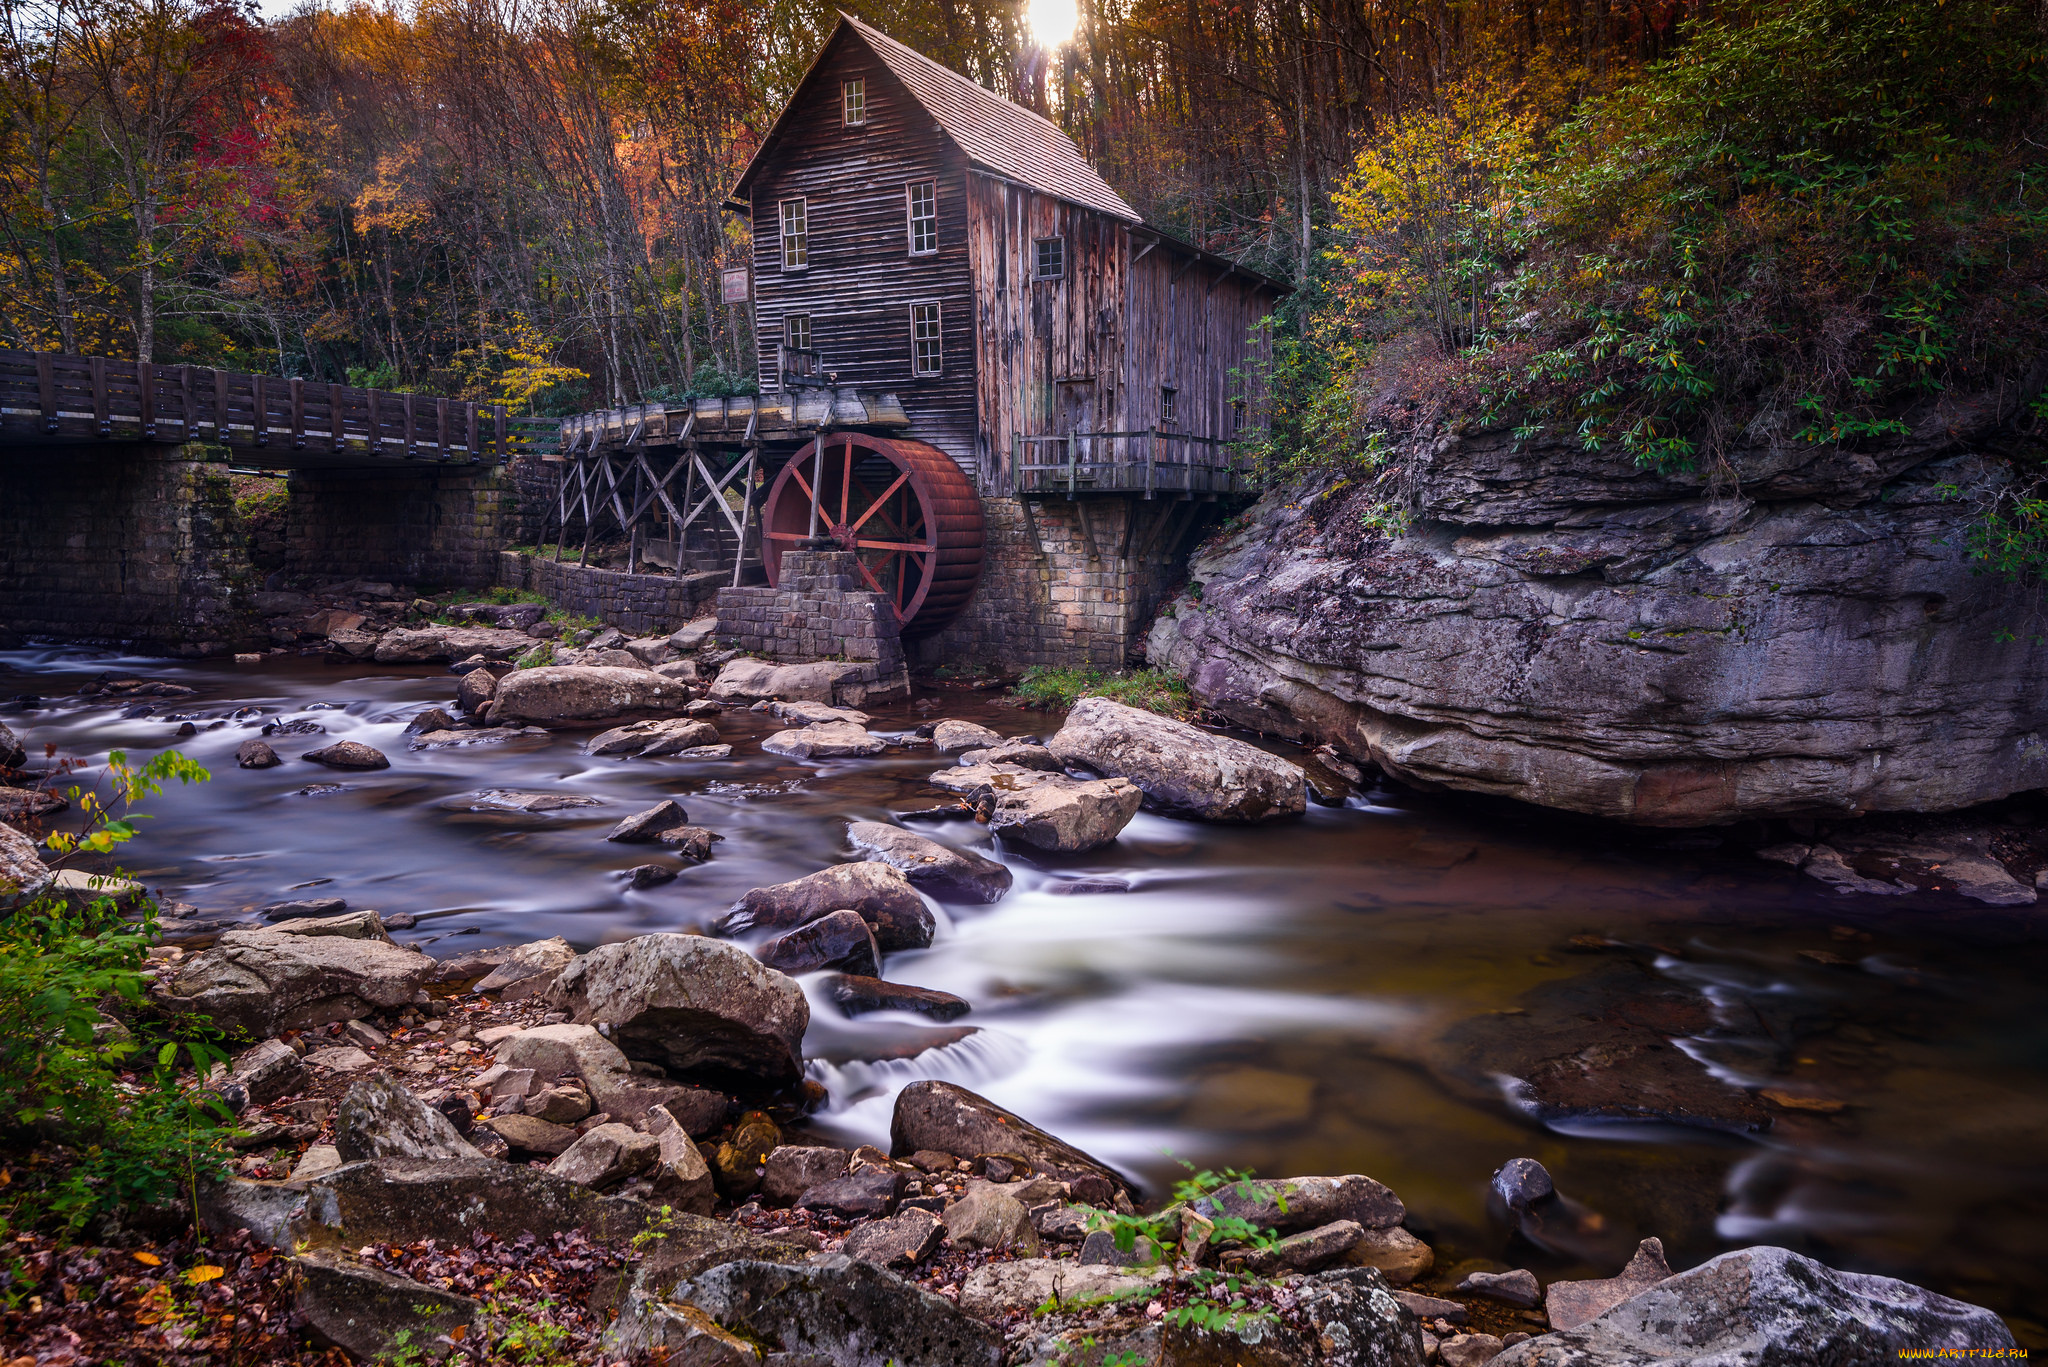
(1152, 689)
(542, 654)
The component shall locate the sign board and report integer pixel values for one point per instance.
(736, 286)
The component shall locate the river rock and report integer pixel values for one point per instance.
(266, 1072)
(793, 1169)
(868, 1194)
(947, 1119)
(839, 1310)
(680, 1178)
(1570, 1304)
(1298, 1203)
(531, 1134)
(310, 908)
(1183, 770)
(606, 1155)
(702, 1008)
(1468, 1350)
(1051, 811)
(528, 970)
(1399, 1255)
(1518, 1287)
(551, 1051)
(21, 866)
(881, 894)
(256, 754)
(693, 635)
(950, 737)
(643, 827)
(817, 714)
(833, 740)
(374, 1314)
(439, 644)
(995, 1290)
(270, 980)
(81, 889)
(948, 874)
(350, 925)
(1309, 1251)
(857, 995)
(1023, 754)
(691, 842)
(474, 689)
(379, 1118)
(748, 681)
(838, 940)
(1520, 1183)
(1565, 627)
(648, 739)
(348, 754)
(1767, 1305)
(433, 719)
(989, 1218)
(571, 694)
(13, 754)
(903, 1240)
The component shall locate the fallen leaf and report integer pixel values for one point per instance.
(205, 1272)
(1795, 1101)
(149, 1260)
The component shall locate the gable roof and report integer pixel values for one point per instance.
(996, 134)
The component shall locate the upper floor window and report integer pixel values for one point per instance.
(1169, 407)
(1052, 258)
(796, 235)
(1237, 408)
(926, 351)
(796, 331)
(924, 216)
(853, 103)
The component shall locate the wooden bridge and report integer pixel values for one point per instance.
(269, 421)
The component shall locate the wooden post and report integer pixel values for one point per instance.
(298, 414)
(739, 557)
(261, 389)
(1151, 459)
(186, 403)
(145, 383)
(817, 479)
(411, 429)
(102, 420)
(46, 391)
(499, 410)
(441, 429)
(337, 416)
(678, 526)
(221, 431)
(469, 439)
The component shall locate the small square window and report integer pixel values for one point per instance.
(926, 351)
(853, 103)
(796, 331)
(796, 235)
(923, 201)
(1169, 407)
(1052, 258)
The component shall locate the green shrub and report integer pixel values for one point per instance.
(1058, 689)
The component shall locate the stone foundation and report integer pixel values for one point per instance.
(122, 543)
(638, 604)
(423, 527)
(1068, 582)
(815, 613)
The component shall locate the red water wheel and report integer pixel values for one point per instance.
(903, 508)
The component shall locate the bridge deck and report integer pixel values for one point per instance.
(271, 422)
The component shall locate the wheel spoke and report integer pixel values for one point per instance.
(876, 505)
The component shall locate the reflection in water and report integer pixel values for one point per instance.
(1368, 989)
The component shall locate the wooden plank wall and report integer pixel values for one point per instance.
(1093, 351)
(862, 279)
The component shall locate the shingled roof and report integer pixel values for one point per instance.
(994, 133)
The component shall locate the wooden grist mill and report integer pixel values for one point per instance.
(970, 351)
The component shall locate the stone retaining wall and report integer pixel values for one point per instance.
(122, 542)
(815, 613)
(638, 604)
(431, 529)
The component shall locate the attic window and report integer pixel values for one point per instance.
(1052, 258)
(796, 235)
(853, 103)
(923, 200)
(926, 350)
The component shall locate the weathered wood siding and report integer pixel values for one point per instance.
(862, 279)
(1093, 350)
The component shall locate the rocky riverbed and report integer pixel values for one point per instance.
(995, 878)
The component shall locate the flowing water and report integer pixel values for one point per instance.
(1351, 992)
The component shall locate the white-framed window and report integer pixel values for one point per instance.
(1169, 406)
(1051, 260)
(927, 350)
(1237, 408)
(796, 330)
(853, 103)
(921, 200)
(796, 235)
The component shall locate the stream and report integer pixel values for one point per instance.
(1361, 990)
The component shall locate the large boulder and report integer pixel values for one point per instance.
(1303, 1203)
(275, 979)
(1767, 1305)
(840, 939)
(374, 1314)
(749, 681)
(13, 754)
(606, 1155)
(648, 739)
(1066, 815)
(438, 644)
(1568, 628)
(348, 754)
(828, 740)
(379, 1118)
(21, 865)
(839, 1310)
(527, 970)
(881, 894)
(946, 873)
(1184, 770)
(550, 1051)
(582, 694)
(703, 1009)
(942, 1118)
(1567, 1305)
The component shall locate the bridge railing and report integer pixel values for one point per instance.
(47, 396)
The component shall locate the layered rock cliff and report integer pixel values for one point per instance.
(1800, 634)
